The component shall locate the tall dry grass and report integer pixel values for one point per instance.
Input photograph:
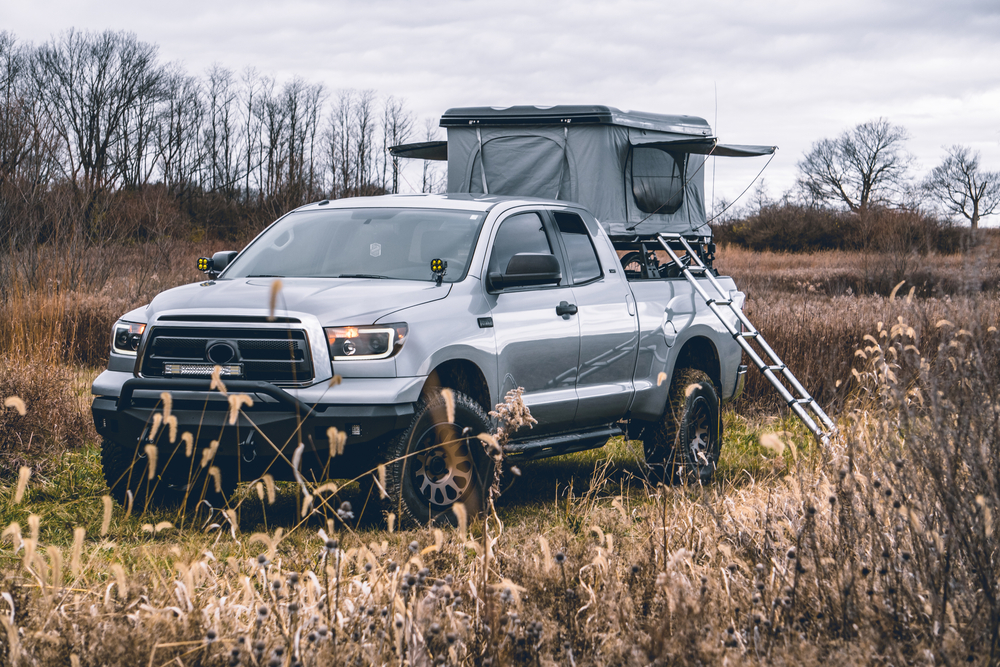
(860, 273)
(879, 549)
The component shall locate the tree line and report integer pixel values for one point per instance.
(869, 165)
(857, 192)
(101, 139)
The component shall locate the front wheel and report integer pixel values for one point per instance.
(439, 462)
(684, 446)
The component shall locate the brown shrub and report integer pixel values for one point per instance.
(56, 417)
(788, 227)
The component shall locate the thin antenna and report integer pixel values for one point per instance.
(715, 124)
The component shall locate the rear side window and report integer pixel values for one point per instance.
(580, 249)
(658, 179)
(519, 233)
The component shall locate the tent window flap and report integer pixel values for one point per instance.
(658, 179)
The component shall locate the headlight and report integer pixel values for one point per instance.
(376, 342)
(125, 337)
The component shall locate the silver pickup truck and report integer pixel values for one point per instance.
(527, 293)
(356, 314)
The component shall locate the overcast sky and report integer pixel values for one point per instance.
(782, 72)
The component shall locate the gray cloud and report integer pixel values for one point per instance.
(785, 73)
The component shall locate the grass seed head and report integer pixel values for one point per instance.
(23, 475)
(208, 453)
(151, 454)
(106, 521)
(17, 403)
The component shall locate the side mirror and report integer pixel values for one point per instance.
(221, 260)
(525, 269)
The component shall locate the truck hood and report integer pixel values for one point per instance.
(334, 301)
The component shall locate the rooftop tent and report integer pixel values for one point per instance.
(639, 173)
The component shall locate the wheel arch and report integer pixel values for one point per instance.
(699, 352)
(461, 375)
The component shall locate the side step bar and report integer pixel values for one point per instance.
(564, 443)
(795, 395)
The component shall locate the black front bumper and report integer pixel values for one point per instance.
(276, 422)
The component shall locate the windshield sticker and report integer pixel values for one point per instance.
(376, 249)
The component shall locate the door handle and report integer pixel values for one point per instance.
(566, 309)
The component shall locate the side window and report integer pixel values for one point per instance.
(523, 232)
(579, 247)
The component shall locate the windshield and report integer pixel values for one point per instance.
(368, 242)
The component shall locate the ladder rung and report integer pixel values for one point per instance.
(800, 401)
(720, 302)
(776, 367)
(746, 334)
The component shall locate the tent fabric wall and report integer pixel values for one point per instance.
(585, 163)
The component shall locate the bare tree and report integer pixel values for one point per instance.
(350, 143)
(178, 134)
(364, 122)
(303, 103)
(863, 166)
(15, 136)
(432, 180)
(274, 140)
(133, 153)
(340, 143)
(223, 145)
(962, 188)
(397, 123)
(253, 152)
(28, 151)
(89, 83)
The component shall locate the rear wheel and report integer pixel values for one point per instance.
(439, 462)
(684, 446)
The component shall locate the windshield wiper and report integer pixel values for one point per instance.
(264, 275)
(362, 275)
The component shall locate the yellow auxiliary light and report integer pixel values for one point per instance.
(439, 267)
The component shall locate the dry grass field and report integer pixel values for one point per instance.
(877, 549)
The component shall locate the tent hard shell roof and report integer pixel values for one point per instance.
(566, 114)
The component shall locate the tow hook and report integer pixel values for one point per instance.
(248, 444)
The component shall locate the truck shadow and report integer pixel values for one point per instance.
(526, 488)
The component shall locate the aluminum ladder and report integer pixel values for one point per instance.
(797, 401)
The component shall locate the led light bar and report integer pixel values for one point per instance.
(202, 370)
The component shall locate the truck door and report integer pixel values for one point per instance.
(538, 348)
(608, 327)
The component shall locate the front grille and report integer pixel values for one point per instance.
(272, 355)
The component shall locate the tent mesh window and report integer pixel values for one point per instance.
(529, 166)
(658, 179)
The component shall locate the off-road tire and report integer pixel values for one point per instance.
(174, 480)
(684, 446)
(436, 464)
